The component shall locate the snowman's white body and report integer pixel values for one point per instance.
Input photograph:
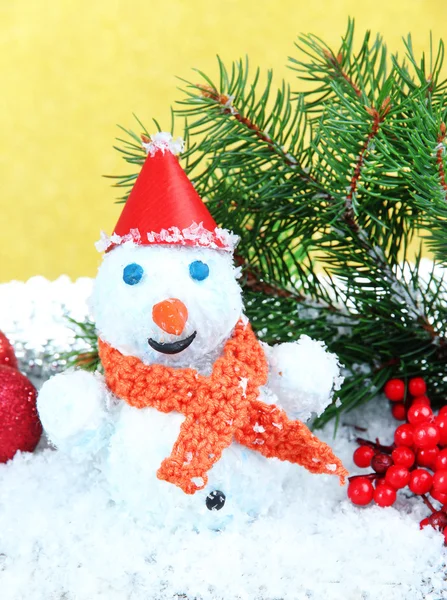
(81, 416)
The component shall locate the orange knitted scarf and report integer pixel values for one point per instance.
(218, 409)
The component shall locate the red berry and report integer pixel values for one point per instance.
(445, 535)
(403, 436)
(402, 455)
(397, 476)
(441, 424)
(421, 400)
(395, 390)
(441, 460)
(425, 435)
(384, 495)
(424, 523)
(420, 481)
(360, 491)
(381, 462)
(443, 411)
(440, 481)
(362, 456)
(398, 411)
(380, 481)
(439, 496)
(417, 386)
(426, 457)
(438, 520)
(419, 413)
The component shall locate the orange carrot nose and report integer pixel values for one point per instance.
(170, 315)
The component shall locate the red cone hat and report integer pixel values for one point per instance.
(163, 206)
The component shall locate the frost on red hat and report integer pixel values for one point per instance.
(163, 206)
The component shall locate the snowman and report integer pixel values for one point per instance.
(192, 420)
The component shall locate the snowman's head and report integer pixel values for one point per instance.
(167, 304)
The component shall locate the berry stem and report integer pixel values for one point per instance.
(427, 503)
(356, 427)
(375, 445)
(370, 476)
(407, 402)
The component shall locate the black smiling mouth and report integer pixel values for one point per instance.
(172, 347)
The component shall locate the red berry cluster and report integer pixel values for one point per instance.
(417, 459)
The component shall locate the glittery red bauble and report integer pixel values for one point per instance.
(20, 428)
(7, 356)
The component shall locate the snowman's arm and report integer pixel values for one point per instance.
(303, 375)
(74, 408)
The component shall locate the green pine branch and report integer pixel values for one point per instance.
(327, 188)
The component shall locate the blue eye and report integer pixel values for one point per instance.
(199, 270)
(132, 274)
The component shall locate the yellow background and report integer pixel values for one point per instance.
(72, 69)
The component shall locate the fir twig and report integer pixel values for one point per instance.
(440, 156)
(228, 107)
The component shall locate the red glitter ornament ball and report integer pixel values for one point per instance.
(7, 356)
(20, 428)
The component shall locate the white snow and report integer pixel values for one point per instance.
(196, 233)
(79, 421)
(304, 376)
(105, 241)
(35, 316)
(164, 142)
(62, 537)
(243, 385)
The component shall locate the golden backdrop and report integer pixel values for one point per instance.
(71, 70)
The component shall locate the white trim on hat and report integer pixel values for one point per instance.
(164, 141)
(194, 233)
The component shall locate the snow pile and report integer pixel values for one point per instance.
(34, 316)
(304, 365)
(36, 310)
(62, 536)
